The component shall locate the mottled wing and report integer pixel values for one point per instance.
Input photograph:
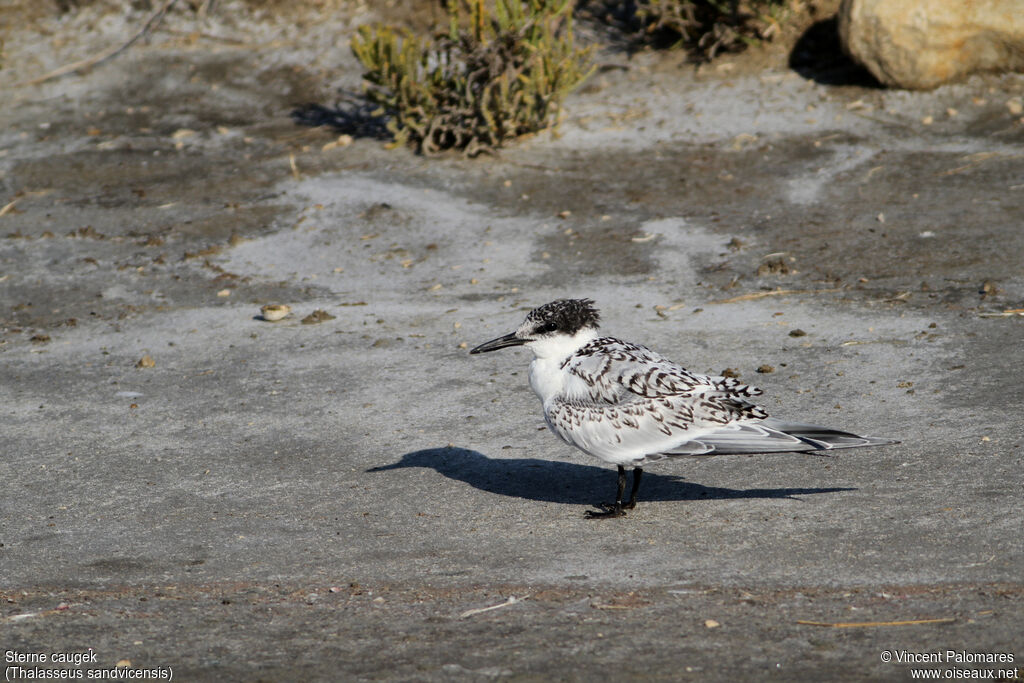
(624, 402)
(614, 370)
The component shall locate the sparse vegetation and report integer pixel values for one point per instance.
(708, 27)
(482, 83)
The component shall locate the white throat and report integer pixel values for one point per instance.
(547, 378)
(561, 346)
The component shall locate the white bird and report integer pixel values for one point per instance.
(629, 406)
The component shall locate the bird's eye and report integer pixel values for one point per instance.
(547, 327)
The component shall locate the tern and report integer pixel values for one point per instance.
(629, 406)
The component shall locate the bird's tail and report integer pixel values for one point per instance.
(823, 438)
(772, 435)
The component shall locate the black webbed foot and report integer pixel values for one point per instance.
(609, 510)
(618, 508)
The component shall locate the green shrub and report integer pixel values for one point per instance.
(474, 87)
(708, 27)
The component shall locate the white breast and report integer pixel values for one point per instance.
(547, 376)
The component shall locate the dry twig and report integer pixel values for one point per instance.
(511, 601)
(8, 207)
(1002, 314)
(774, 292)
(150, 22)
(873, 624)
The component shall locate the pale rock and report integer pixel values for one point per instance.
(921, 44)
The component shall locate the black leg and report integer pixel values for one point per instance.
(637, 473)
(618, 509)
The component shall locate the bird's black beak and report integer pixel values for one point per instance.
(509, 339)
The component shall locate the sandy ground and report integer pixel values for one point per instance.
(332, 501)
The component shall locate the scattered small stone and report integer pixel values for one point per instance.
(765, 369)
(342, 141)
(274, 312)
(40, 338)
(224, 292)
(797, 333)
(711, 623)
(730, 372)
(317, 316)
(776, 266)
(87, 232)
(146, 362)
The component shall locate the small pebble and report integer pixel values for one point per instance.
(274, 312)
(317, 316)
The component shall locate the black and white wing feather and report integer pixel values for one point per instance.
(626, 404)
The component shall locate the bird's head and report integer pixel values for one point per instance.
(554, 329)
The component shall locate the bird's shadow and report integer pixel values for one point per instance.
(564, 482)
(351, 114)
